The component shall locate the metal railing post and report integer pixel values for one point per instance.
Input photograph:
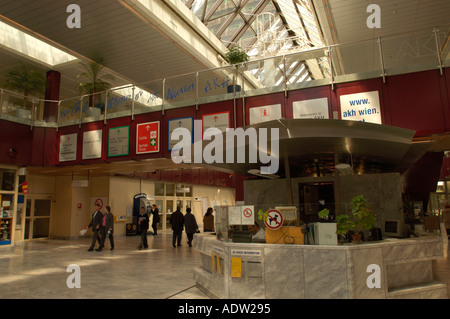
(330, 62)
(285, 76)
(132, 102)
(235, 70)
(163, 96)
(33, 112)
(438, 49)
(106, 108)
(196, 91)
(81, 110)
(57, 116)
(383, 74)
(1, 101)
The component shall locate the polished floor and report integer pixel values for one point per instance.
(38, 269)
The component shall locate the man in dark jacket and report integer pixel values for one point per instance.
(108, 227)
(190, 225)
(177, 222)
(143, 222)
(96, 224)
(155, 213)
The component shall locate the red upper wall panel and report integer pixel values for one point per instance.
(418, 101)
(415, 101)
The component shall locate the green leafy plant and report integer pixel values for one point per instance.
(26, 80)
(94, 81)
(361, 218)
(324, 213)
(236, 55)
(263, 215)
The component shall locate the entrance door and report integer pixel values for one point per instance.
(313, 198)
(37, 220)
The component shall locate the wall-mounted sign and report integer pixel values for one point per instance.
(265, 113)
(363, 107)
(186, 123)
(68, 147)
(274, 219)
(92, 144)
(118, 141)
(219, 120)
(311, 109)
(147, 138)
(241, 215)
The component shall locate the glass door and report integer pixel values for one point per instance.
(37, 219)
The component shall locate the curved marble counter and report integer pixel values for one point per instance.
(271, 271)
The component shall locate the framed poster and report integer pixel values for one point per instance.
(220, 120)
(186, 122)
(119, 141)
(147, 137)
(311, 109)
(364, 107)
(68, 147)
(92, 144)
(265, 113)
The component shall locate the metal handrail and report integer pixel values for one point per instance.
(236, 72)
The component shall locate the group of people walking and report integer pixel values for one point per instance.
(102, 224)
(188, 221)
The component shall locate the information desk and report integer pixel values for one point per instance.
(392, 268)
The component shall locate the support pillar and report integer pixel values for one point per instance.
(52, 86)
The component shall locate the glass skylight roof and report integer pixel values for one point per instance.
(32, 47)
(264, 28)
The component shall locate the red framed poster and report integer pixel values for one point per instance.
(147, 137)
(220, 120)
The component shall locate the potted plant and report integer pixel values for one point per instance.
(25, 80)
(361, 219)
(235, 55)
(324, 214)
(94, 83)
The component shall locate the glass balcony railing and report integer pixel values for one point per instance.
(380, 57)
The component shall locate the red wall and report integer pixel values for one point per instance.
(418, 101)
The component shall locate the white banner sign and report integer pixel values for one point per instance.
(311, 109)
(186, 123)
(68, 147)
(217, 120)
(363, 107)
(92, 144)
(265, 113)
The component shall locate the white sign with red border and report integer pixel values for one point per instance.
(265, 113)
(274, 219)
(248, 217)
(147, 137)
(219, 120)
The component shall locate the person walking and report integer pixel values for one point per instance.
(190, 225)
(177, 222)
(155, 213)
(208, 221)
(96, 224)
(108, 227)
(143, 227)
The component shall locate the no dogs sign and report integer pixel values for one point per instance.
(274, 219)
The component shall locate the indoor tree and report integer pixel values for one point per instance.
(25, 80)
(94, 81)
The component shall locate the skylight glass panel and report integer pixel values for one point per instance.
(32, 47)
(225, 8)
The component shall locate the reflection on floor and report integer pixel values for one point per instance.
(38, 269)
